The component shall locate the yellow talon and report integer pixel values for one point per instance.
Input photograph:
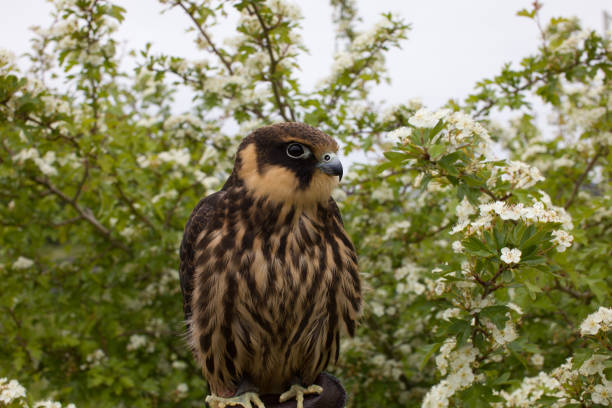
(298, 392)
(245, 400)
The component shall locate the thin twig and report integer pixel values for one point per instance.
(207, 37)
(602, 151)
(277, 86)
(133, 208)
(84, 212)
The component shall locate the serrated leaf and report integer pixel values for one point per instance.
(496, 314)
(580, 356)
(430, 350)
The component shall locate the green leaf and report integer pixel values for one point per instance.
(526, 13)
(496, 314)
(436, 150)
(430, 350)
(547, 400)
(580, 356)
(474, 246)
(396, 157)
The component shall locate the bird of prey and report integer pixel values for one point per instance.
(268, 274)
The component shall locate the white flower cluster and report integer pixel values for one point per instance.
(531, 390)
(582, 109)
(458, 364)
(170, 194)
(510, 256)
(217, 84)
(457, 247)
(407, 279)
(51, 404)
(461, 130)
(425, 118)
(83, 50)
(22, 263)
(7, 61)
(45, 163)
(562, 239)
(182, 389)
(398, 135)
(574, 41)
(13, 392)
(540, 212)
(54, 105)
(184, 126)
(361, 47)
(519, 174)
(392, 367)
(600, 320)
(146, 81)
(178, 156)
(594, 365)
(96, 358)
(397, 229)
(368, 38)
(10, 390)
(504, 336)
(138, 341)
(602, 393)
(284, 8)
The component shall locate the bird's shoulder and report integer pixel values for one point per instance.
(201, 217)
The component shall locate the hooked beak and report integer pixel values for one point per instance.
(330, 164)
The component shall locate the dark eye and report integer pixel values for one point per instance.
(297, 151)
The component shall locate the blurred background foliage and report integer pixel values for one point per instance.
(98, 175)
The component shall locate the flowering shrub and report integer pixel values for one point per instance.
(485, 247)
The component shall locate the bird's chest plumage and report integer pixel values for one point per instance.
(268, 279)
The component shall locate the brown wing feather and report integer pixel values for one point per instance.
(349, 292)
(197, 222)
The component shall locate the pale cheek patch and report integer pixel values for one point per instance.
(281, 185)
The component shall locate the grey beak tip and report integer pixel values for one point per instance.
(333, 168)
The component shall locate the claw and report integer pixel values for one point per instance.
(245, 400)
(298, 392)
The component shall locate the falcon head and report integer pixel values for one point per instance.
(289, 163)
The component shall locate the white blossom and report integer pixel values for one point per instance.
(182, 388)
(510, 255)
(537, 360)
(424, 118)
(521, 175)
(594, 365)
(562, 239)
(504, 336)
(600, 320)
(398, 135)
(96, 358)
(515, 307)
(10, 391)
(22, 263)
(47, 404)
(532, 389)
(602, 393)
(178, 156)
(26, 154)
(179, 365)
(45, 164)
(573, 41)
(464, 209)
(7, 61)
(137, 341)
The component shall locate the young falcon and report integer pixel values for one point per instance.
(268, 274)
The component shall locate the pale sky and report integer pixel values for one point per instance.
(451, 46)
